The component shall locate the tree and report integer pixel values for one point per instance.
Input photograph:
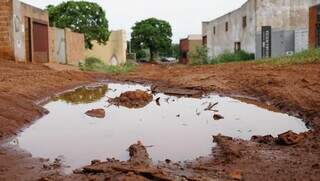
(82, 17)
(153, 34)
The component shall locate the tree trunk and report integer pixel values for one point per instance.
(152, 56)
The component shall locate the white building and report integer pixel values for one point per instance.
(241, 28)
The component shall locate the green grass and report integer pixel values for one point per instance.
(95, 65)
(305, 57)
(227, 57)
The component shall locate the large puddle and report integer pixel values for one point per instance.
(178, 129)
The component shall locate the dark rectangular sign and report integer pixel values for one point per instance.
(266, 41)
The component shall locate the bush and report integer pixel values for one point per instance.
(233, 57)
(96, 65)
(200, 56)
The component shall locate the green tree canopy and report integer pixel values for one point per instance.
(82, 17)
(153, 34)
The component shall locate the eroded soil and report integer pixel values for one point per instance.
(293, 89)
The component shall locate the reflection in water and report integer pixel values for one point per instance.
(178, 128)
(84, 95)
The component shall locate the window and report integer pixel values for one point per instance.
(227, 26)
(214, 30)
(244, 21)
(237, 46)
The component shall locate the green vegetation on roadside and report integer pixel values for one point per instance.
(201, 57)
(307, 56)
(96, 65)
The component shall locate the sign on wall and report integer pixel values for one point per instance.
(266, 41)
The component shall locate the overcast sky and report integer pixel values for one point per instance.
(185, 16)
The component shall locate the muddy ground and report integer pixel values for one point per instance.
(294, 89)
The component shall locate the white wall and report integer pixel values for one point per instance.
(224, 41)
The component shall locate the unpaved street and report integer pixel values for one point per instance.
(293, 89)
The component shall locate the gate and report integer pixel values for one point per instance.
(40, 42)
(60, 46)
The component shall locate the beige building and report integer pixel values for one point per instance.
(114, 52)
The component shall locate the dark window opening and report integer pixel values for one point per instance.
(244, 21)
(227, 26)
(214, 30)
(237, 46)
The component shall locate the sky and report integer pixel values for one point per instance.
(185, 16)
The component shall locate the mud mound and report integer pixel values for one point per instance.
(132, 99)
(97, 113)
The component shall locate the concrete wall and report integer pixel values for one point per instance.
(282, 15)
(114, 52)
(6, 48)
(224, 40)
(282, 43)
(75, 47)
(66, 47)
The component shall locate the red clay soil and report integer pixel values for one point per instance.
(293, 89)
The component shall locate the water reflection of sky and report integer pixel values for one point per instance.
(69, 132)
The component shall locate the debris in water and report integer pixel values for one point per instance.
(178, 116)
(217, 117)
(97, 113)
(158, 101)
(210, 106)
(132, 99)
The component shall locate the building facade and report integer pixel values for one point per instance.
(242, 29)
(188, 46)
(23, 32)
(114, 52)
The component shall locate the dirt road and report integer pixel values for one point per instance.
(293, 89)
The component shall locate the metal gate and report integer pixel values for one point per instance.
(40, 42)
(60, 46)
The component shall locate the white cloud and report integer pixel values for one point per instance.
(185, 16)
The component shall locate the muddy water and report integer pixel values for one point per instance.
(177, 129)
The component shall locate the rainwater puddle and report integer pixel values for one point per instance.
(179, 129)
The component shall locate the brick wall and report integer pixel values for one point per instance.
(6, 49)
(75, 47)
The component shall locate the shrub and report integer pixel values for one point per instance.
(96, 65)
(200, 56)
(233, 57)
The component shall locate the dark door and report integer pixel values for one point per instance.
(28, 39)
(40, 42)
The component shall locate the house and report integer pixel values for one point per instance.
(23, 32)
(188, 46)
(114, 52)
(267, 28)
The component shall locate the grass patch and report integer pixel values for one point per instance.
(304, 57)
(96, 65)
(238, 56)
(200, 57)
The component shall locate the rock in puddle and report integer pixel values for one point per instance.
(97, 113)
(132, 99)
